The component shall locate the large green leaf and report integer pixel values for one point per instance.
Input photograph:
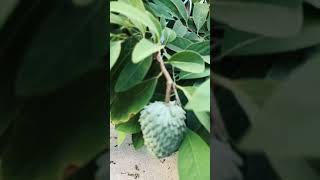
(200, 99)
(179, 44)
(130, 127)
(179, 28)
(203, 48)
(119, 20)
(132, 74)
(63, 48)
(194, 158)
(143, 49)
(129, 103)
(115, 48)
(168, 35)
(181, 9)
(187, 75)
(137, 15)
(258, 16)
(204, 118)
(57, 131)
(189, 61)
(169, 6)
(291, 114)
(242, 43)
(160, 10)
(200, 13)
(6, 8)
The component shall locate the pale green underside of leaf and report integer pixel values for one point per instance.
(200, 12)
(143, 49)
(200, 99)
(137, 15)
(187, 61)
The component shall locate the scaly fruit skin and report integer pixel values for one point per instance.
(163, 127)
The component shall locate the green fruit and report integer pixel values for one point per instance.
(163, 127)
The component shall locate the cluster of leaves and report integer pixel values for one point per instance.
(53, 87)
(180, 32)
(267, 85)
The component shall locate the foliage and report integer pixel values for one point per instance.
(267, 86)
(52, 94)
(158, 37)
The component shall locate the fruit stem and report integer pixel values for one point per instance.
(170, 84)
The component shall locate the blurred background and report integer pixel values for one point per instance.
(53, 89)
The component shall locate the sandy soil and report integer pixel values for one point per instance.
(128, 164)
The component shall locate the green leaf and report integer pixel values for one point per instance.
(203, 48)
(238, 43)
(121, 137)
(143, 49)
(199, 14)
(119, 20)
(168, 35)
(192, 36)
(187, 75)
(71, 121)
(137, 15)
(188, 61)
(255, 16)
(130, 127)
(187, 90)
(179, 28)
(161, 11)
(194, 158)
(137, 141)
(292, 114)
(206, 59)
(204, 118)
(179, 44)
(200, 99)
(181, 8)
(170, 7)
(137, 3)
(115, 48)
(163, 22)
(132, 74)
(129, 103)
(63, 48)
(6, 8)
